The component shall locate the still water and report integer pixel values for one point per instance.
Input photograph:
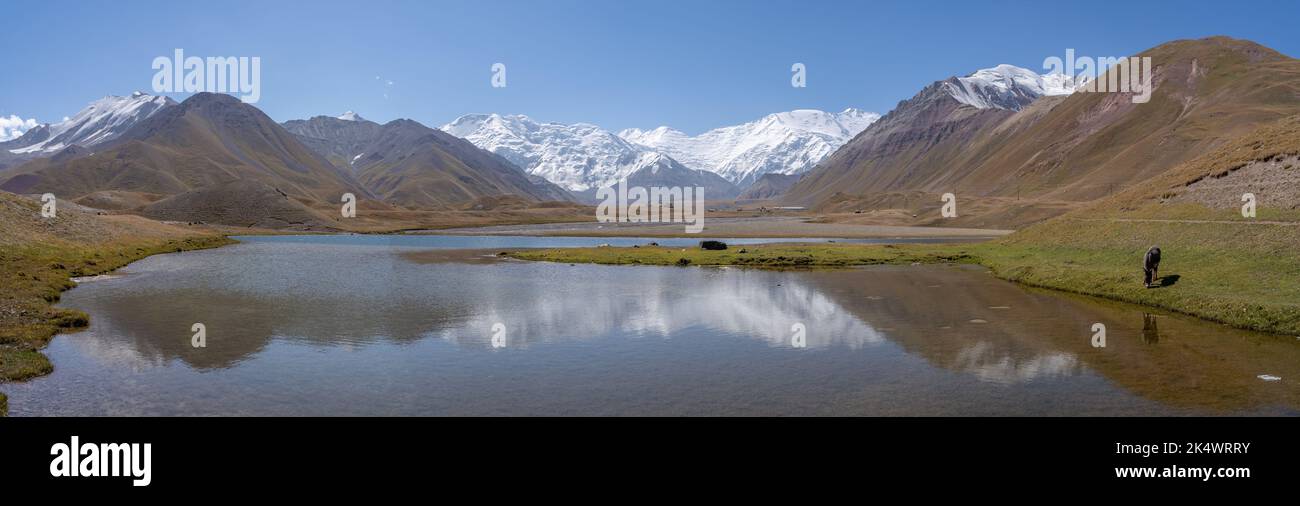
(355, 325)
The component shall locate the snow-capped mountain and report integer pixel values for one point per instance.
(783, 143)
(351, 116)
(102, 121)
(579, 157)
(1006, 87)
(657, 169)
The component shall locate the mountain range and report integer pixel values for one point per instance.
(209, 158)
(1020, 145)
(782, 143)
(213, 158)
(1049, 149)
(583, 157)
(408, 164)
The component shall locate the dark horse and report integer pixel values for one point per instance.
(1150, 266)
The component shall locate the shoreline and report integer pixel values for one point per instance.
(46, 271)
(733, 227)
(1009, 262)
(1025, 259)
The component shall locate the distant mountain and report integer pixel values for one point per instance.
(210, 158)
(782, 143)
(578, 157)
(102, 121)
(583, 157)
(1006, 87)
(658, 170)
(406, 163)
(769, 186)
(1065, 148)
(32, 136)
(341, 141)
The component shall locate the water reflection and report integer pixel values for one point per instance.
(1150, 329)
(334, 327)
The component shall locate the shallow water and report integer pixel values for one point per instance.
(347, 325)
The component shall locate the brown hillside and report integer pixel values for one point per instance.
(1075, 148)
(207, 142)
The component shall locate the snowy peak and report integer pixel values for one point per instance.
(789, 142)
(102, 121)
(351, 116)
(1006, 87)
(577, 156)
(656, 136)
(583, 156)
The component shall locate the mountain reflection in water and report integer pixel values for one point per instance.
(341, 327)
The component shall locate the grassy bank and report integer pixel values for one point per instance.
(1242, 275)
(761, 255)
(35, 276)
(40, 256)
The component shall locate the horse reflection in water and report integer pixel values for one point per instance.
(1150, 332)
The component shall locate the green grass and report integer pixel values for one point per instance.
(1242, 275)
(1246, 276)
(765, 255)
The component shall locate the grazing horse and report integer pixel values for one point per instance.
(1150, 266)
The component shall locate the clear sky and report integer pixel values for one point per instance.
(692, 65)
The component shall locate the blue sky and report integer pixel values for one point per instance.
(693, 65)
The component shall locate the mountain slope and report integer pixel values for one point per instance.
(406, 163)
(1264, 162)
(339, 141)
(1006, 87)
(783, 143)
(1077, 147)
(657, 170)
(207, 142)
(768, 186)
(101, 121)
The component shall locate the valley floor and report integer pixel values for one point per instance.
(737, 225)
